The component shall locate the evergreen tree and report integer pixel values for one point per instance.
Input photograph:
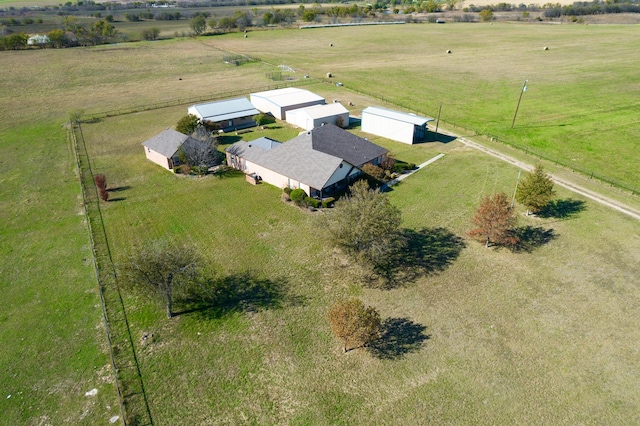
(535, 190)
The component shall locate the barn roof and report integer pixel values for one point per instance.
(288, 96)
(225, 110)
(166, 143)
(397, 115)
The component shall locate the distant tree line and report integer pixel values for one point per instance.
(591, 8)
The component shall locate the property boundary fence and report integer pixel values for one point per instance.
(134, 407)
(194, 99)
(590, 174)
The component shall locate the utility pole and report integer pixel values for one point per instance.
(524, 89)
(438, 122)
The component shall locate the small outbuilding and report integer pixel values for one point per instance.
(163, 149)
(230, 114)
(315, 116)
(278, 102)
(394, 125)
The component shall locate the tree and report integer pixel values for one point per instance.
(353, 323)
(150, 34)
(494, 220)
(198, 24)
(187, 124)
(486, 15)
(535, 190)
(200, 151)
(161, 268)
(365, 225)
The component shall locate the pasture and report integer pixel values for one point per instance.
(488, 337)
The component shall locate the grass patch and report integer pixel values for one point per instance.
(52, 330)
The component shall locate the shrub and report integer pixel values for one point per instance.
(287, 190)
(104, 194)
(298, 195)
(312, 202)
(328, 202)
(262, 119)
(373, 171)
(101, 181)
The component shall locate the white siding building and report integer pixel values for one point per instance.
(317, 115)
(398, 126)
(278, 102)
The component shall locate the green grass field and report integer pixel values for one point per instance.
(539, 338)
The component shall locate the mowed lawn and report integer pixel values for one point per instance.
(541, 337)
(496, 337)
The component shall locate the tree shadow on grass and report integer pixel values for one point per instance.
(399, 336)
(562, 209)
(244, 292)
(530, 238)
(119, 188)
(424, 252)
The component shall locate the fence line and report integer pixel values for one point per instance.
(193, 99)
(525, 149)
(134, 407)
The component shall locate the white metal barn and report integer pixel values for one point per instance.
(230, 114)
(395, 125)
(315, 116)
(279, 101)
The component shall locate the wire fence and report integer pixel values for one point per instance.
(134, 407)
(194, 99)
(527, 150)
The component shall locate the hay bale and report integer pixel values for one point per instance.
(546, 48)
(330, 44)
(245, 36)
(448, 51)
(329, 75)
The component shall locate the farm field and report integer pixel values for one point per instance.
(540, 337)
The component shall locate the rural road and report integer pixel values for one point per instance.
(616, 205)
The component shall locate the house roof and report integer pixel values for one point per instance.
(307, 158)
(288, 96)
(226, 110)
(399, 116)
(335, 141)
(321, 111)
(166, 143)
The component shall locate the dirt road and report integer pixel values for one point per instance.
(616, 205)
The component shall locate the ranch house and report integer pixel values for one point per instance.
(320, 161)
(394, 125)
(231, 114)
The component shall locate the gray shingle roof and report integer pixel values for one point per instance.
(300, 160)
(166, 143)
(335, 141)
